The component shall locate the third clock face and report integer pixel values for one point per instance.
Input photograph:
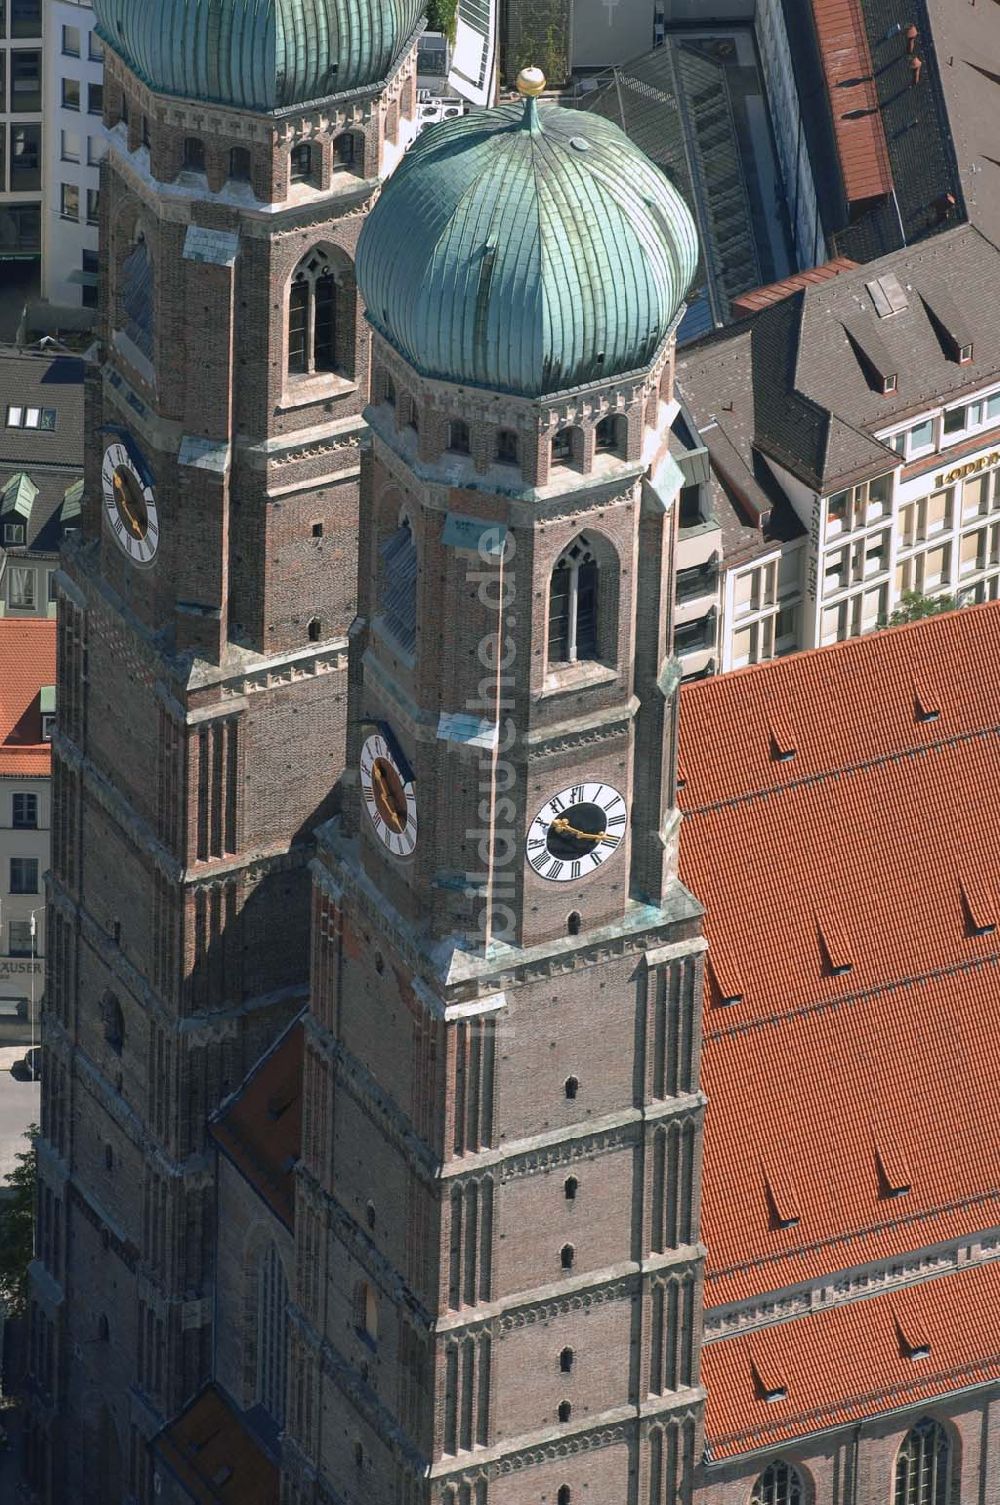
(576, 831)
(389, 796)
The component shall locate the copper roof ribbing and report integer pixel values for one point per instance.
(854, 106)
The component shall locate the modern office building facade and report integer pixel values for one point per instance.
(73, 146)
(22, 99)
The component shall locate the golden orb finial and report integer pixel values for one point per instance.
(531, 82)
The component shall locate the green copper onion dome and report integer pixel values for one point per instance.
(258, 54)
(526, 249)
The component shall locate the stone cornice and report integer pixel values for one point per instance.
(854, 1284)
(457, 975)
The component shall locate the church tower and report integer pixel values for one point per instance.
(499, 1271)
(202, 682)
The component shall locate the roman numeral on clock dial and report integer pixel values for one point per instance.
(576, 831)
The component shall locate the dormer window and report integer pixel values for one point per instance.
(964, 354)
(889, 383)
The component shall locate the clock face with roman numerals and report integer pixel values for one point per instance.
(130, 505)
(576, 831)
(389, 796)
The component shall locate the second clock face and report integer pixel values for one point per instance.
(576, 831)
(130, 506)
(389, 796)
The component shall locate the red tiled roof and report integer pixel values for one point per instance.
(774, 292)
(852, 1361)
(27, 662)
(843, 889)
(823, 1115)
(210, 1449)
(854, 106)
(260, 1130)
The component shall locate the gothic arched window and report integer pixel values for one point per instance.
(779, 1484)
(573, 603)
(312, 316)
(303, 162)
(194, 154)
(923, 1465)
(272, 1300)
(138, 288)
(347, 149)
(398, 593)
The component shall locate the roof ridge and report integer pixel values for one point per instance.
(789, 663)
(864, 995)
(854, 1235)
(821, 777)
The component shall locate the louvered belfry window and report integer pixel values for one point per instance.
(138, 296)
(398, 596)
(272, 1300)
(573, 605)
(312, 317)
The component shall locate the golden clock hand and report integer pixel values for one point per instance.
(565, 829)
(381, 783)
(123, 506)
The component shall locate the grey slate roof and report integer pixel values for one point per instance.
(788, 383)
(53, 460)
(967, 46)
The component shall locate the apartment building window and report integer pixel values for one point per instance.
(691, 636)
(71, 41)
(95, 48)
(786, 630)
(699, 580)
(918, 440)
(835, 572)
(95, 99)
(69, 146)
(834, 624)
(93, 206)
(21, 591)
(938, 513)
(977, 494)
(937, 568)
(979, 550)
(24, 812)
(20, 941)
(754, 644)
(24, 875)
(69, 201)
(71, 93)
(858, 506)
(25, 18)
(97, 150)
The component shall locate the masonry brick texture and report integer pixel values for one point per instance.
(495, 1276)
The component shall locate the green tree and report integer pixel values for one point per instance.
(17, 1226)
(441, 16)
(913, 607)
